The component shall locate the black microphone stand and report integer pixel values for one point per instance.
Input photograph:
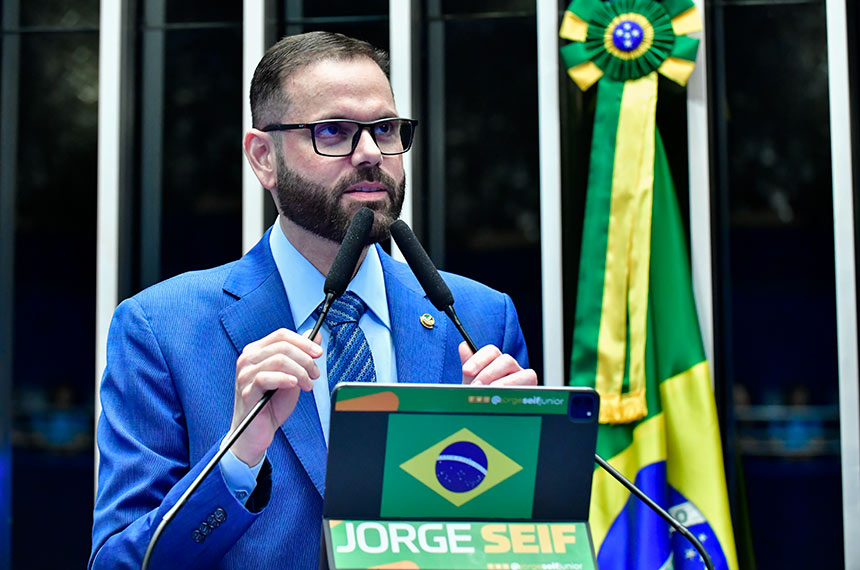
(225, 447)
(336, 282)
(673, 522)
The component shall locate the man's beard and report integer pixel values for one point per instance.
(318, 208)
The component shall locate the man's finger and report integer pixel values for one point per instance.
(501, 366)
(524, 377)
(474, 363)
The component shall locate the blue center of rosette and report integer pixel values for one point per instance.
(627, 36)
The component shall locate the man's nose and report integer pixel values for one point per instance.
(366, 151)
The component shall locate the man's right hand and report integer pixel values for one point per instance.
(282, 361)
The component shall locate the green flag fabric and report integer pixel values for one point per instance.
(636, 337)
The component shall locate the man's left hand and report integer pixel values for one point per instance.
(490, 366)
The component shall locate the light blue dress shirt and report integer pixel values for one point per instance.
(303, 284)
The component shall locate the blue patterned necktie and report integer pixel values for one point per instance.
(349, 358)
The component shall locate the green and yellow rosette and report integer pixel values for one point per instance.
(629, 39)
(621, 45)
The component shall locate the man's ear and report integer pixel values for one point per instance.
(260, 151)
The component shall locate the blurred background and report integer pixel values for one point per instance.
(476, 192)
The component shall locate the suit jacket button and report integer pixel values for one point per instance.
(220, 515)
(197, 536)
(212, 521)
(205, 529)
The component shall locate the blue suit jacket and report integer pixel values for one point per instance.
(167, 401)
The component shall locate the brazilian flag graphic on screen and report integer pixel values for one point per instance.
(460, 466)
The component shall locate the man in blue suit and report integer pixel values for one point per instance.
(182, 354)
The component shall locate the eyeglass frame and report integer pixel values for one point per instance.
(362, 125)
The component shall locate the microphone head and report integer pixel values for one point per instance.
(423, 268)
(353, 243)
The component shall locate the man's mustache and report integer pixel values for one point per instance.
(369, 174)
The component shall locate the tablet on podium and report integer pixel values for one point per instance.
(459, 477)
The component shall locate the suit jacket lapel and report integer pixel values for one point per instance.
(261, 307)
(419, 351)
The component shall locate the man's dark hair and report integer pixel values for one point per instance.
(268, 99)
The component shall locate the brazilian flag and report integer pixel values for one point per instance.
(636, 337)
(460, 466)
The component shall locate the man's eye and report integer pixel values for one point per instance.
(329, 130)
(384, 128)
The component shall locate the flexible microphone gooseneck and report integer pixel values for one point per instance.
(339, 276)
(423, 268)
(673, 522)
(442, 298)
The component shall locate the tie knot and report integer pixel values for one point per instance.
(347, 308)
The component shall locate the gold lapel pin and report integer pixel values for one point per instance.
(427, 321)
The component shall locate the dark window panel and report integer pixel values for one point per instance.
(202, 188)
(780, 157)
(375, 32)
(60, 13)
(491, 124)
(56, 204)
(780, 204)
(339, 8)
(194, 11)
(492, 196)
(462, 7)
(54, 295)
(777, 349)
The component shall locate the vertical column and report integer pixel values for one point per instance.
(9, 64)
(109, 181)
(549, 138)
(253, 48)
(400, 36)
(846, 283)
(698, 155)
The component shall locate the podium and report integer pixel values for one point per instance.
(459, 477)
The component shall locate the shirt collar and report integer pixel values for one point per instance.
(303, 282)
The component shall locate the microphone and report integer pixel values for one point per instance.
(337, 279)
(423, 268)
(343, 266)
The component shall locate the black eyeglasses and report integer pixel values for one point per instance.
(339, 137)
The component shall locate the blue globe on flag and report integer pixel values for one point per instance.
(461, 466)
